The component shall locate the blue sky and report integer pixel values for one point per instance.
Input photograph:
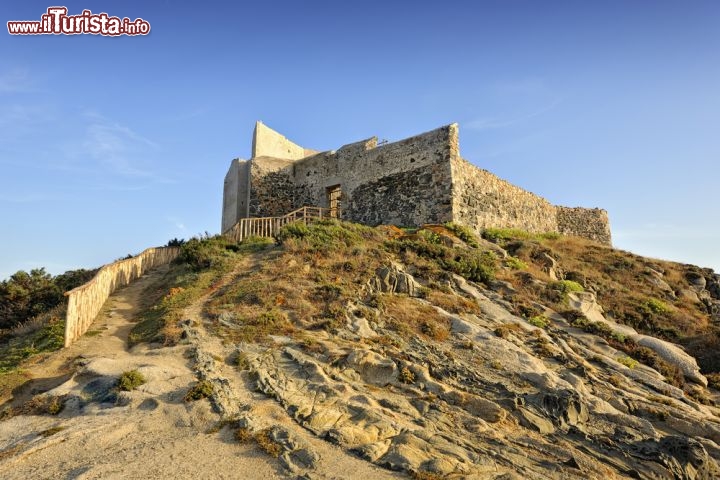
(109, 145)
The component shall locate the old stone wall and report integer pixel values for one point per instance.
(592, 223)
(482, 200)
(86, 301)
(406, 182)
(269, 143)
(272, 187)
(421, 179)
(235, 193)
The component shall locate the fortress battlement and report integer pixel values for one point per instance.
(417, 180)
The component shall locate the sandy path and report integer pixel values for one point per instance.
(108, 337)
(156, 435)
(150, 432)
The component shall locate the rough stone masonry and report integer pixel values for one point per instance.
(418, 180)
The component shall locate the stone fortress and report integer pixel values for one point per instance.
(418, 180)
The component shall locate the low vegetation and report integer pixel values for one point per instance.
(47, 338)
(267, 444)
(306, 283)
(38, 405)
(474, 264)
(32, 319)
(201, 263)
(503, 235)
(325, 289)
(634, 290)
(202, 389)
(25, 296)
(463, 233)
(130, 380)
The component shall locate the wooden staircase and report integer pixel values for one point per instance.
(270, 226)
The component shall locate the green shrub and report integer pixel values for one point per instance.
(429, 236)
(327, 235)
(567, 286)
(206, 252)
(255, 244)
(464, 233)
(539, 321)
(294, 230)
(656, 306)
(25, 296)
(472, 264)
(515, 263)
(46, 333)
(579, 321)
(202, 389)
(498, 235)
(549, 236)
(130, 380)
(628, 361)
(502, 235)
(618, 337)
(601, 329)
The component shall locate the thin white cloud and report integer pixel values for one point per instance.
(15, 116)
(115, 148)
(112, 146)
(493, 123)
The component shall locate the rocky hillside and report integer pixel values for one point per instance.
(344, 351)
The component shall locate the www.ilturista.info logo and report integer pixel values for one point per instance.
(57, 22)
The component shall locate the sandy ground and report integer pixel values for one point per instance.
(155, 433)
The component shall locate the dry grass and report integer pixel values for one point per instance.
(625, 286)
(452, 303)
(408, 316)
(166, 302)
(714, 380)
(301, 286)
(383, 341)
(267, 444)
(423, 475)
(406, 375)
(202, 389)
(504, 331)
(243, 435)
(51, 431)
(615, 380)
(39, 405)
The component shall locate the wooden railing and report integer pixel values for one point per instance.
(270, 226)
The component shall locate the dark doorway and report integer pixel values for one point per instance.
(333, 195)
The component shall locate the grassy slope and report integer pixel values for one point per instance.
(308, 280)
(626, 286)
